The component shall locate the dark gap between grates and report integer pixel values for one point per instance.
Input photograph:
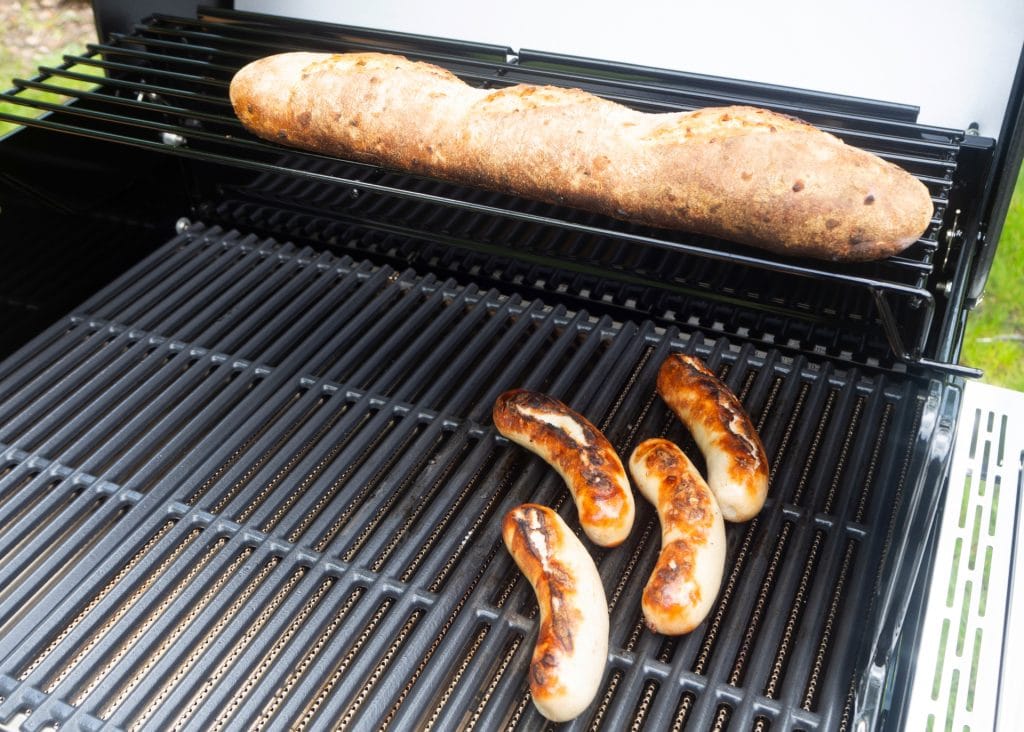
(66, 635)
(45, 531)
(325, 533)
(311, 540)
(166, 694)
(91, 253)
(144, 625)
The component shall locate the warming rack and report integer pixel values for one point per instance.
(164, 87)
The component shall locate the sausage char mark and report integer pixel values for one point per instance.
(537, 536)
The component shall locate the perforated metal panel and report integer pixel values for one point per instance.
(960, 673)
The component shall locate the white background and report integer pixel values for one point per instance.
(955, 60)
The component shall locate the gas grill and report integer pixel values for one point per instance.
(248, 476)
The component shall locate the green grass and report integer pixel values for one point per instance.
(11, 67)
(994, 340)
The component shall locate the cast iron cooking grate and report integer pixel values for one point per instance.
(626, 282)
(164, 87)
(253, 485)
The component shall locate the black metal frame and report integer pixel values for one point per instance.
(118, 16)
(122, 130)
(1002, 180)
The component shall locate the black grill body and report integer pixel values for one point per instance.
(164, 88)
(248, 477)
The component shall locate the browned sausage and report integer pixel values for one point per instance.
(736, 461)
(688, 574)
(572, 640)
(581, 455)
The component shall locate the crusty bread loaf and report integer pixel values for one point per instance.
(739, 173)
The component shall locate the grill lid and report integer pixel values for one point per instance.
(872, 50)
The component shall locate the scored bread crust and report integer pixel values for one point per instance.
(740, 173)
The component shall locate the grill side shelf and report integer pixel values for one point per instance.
(966, 670)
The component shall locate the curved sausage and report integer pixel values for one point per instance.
(688, 573)
(736, 461)
(581, 455)
(572, 640)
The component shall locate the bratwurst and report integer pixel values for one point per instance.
(579, 452)
(688, 573)
(572, 640)
(736, 461)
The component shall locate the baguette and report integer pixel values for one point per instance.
(738, 173)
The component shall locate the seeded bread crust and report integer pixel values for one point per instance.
(739, 173)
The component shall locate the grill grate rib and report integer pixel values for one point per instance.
(158, 609)
(307, 535)
(201, 645)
